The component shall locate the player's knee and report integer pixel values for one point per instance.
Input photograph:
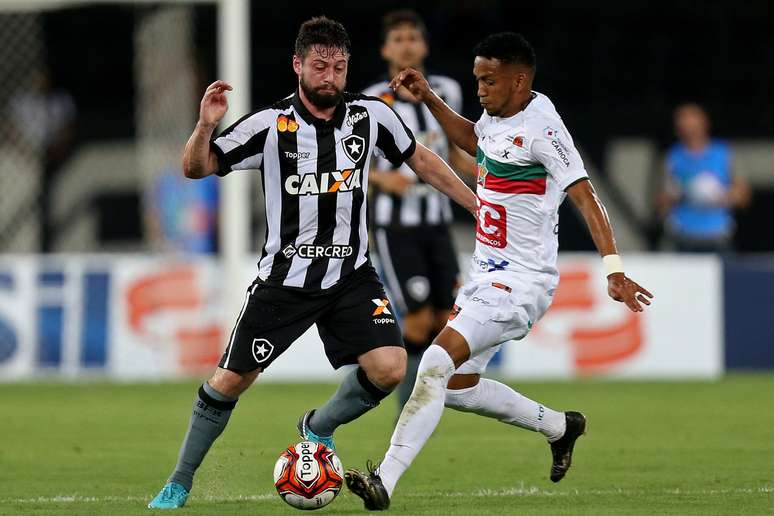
(385, 367)
(436, 362)
(462, 399)
(387, 378)
(231, 383)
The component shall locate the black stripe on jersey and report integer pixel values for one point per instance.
(361, 128)
(386, 143)
(287, 144)
(251, 147)
(420, 114)
(326, 205)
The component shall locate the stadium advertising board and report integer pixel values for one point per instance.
(585, 333)
(131, 317)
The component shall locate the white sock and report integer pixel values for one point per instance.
(420, 415)
(496, 400)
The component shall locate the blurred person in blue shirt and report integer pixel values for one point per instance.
(183, 214)
(700, 191)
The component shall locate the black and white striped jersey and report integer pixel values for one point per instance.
(315, 179)
(421, 204)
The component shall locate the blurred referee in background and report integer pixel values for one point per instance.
(410, 218)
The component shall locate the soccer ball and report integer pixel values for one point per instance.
(308, 475)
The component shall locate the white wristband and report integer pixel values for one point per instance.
(612, 263)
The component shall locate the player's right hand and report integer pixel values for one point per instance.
(626, 291)
(214, 103)
(414, 82)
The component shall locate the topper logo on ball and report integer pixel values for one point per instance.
(307, 469)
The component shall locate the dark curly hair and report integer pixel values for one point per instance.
(508, 47)
(322, 31)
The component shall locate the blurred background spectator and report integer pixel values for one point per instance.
(700, 189)
(43, 118)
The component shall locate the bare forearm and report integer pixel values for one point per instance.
(198, 159)
(594, 213)
(458, 128)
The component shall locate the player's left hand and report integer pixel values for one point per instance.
(624, 290)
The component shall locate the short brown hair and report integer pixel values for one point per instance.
(394, 19)
(322, 31)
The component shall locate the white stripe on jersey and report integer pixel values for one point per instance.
(307, 205)
(272, 190)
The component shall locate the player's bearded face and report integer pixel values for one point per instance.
(324, 75)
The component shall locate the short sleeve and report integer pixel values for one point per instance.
(478, 128)
(394, 140)
(554, 149)
(240, 147)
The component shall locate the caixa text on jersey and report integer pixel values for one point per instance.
(327, 182)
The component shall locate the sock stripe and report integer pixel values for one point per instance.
(372, 389)
(212, 402)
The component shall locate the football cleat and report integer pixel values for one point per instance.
(307, 433)
(172, 496)
(562, 448)
(369, 487)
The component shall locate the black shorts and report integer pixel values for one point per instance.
(353, 317)
(419, 266)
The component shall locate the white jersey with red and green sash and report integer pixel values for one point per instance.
(525, 164)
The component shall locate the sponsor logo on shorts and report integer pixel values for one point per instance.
(455, 312)
(502, 286)
(381, 307)
(326, 182)
(381, 311)
(262, 350)
(491, 265)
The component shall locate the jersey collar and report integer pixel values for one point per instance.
(309, 118)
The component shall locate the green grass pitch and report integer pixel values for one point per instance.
(651, 448)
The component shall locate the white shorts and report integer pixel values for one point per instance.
(494, 308)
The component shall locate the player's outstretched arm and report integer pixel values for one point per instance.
(432, 169)
(619, 287)
(458, 128)
(198, 159)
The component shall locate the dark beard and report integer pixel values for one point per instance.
(320, 100)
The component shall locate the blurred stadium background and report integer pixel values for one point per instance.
(115, 269)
